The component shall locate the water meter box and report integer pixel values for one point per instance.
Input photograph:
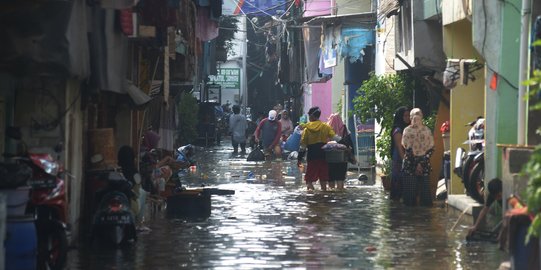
(336, 156)
(189, 204)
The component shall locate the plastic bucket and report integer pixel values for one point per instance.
(336, 156)
(16, 200)
(21, 243)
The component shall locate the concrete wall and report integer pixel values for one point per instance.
(431, 9)
(506, 96)
(428, 40)
(385, 46)
(487, 39)
(467, 101)
(455, 10)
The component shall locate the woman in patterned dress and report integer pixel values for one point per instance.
(418, 141)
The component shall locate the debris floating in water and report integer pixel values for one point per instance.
(370, 249)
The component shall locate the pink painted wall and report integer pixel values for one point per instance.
(317, 8)
(322, 97)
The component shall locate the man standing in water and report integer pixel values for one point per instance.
(237, 128)
(315, 135)
(268, 132)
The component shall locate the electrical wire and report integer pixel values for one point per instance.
(264, 11)
(289, 8)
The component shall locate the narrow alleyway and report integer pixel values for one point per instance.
(273, 223)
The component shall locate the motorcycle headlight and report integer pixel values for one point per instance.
(49, 167)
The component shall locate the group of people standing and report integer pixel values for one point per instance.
(277, 127)
(315, 135)
(412, 144)
(270, 130)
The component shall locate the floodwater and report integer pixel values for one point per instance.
(274, 223)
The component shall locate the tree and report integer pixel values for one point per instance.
(378, 99)
(533, 168)
(228, 28)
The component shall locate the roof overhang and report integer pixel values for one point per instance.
(366, 20)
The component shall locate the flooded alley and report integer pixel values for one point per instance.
(274, 223)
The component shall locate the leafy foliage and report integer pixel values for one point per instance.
(188, 111)
(378, 99)
(533, 167)
(430, 121)
(228, 28)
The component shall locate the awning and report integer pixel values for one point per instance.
(388, 8)
(363, 20)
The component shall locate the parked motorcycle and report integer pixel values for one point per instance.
(47, 201)
(470, 166)
(114, 221)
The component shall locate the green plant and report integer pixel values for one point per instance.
(430, 121)
(378, 99)
(228, 28)
(187, 111)
(533, 166)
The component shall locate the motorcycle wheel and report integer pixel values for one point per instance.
(118, 234)
(467, 170)
(477, 182)
(122, 234)
(53, 248)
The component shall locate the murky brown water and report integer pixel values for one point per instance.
(273, 223)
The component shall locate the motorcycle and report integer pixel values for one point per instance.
(470, 166)
(114, 221)
(47, 201)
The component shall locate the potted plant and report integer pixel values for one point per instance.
(386, 170)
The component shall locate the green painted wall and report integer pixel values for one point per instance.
(509, 66)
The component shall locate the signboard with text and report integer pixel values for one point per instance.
(227, 78)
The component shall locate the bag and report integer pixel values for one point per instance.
(346, 140)
(294, 140)
(256, 155)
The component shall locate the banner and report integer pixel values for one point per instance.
(254, 7)
(227, 78)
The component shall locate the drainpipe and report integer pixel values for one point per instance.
(244, 85)
(333, 7)
(523, 71)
